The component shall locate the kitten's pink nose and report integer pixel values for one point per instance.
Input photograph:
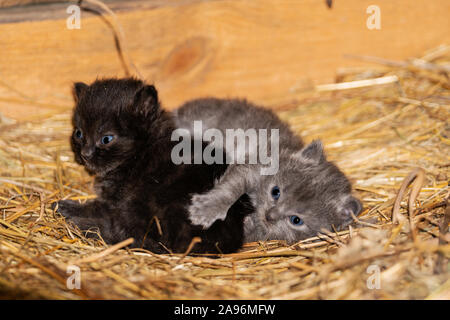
(87, 153)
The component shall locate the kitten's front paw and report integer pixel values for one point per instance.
(67, 208)
(72, 211)
(204, 212)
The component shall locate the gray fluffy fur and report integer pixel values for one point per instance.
(312, 188)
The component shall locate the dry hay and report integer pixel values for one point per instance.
(377, 134)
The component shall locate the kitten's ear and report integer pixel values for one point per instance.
(78, 90)
(352, 207)
(146, 100)
(312, 153)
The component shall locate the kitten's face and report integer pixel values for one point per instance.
(106, 122)
(307, 194)
(101, 145)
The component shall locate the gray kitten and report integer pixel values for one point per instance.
(306, 195)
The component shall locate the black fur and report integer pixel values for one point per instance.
(137, 183)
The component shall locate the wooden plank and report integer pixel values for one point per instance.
(53, 10)
(261, 50)
(11, 3)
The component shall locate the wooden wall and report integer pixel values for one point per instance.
(10, 3)
(263, 50)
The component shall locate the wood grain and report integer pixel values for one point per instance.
(10, 3)
(262, 50)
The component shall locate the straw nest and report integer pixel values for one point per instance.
(386, 127)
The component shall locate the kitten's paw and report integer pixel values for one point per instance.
(72, 212)
(205, 212)
(67, 208)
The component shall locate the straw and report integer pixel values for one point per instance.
(378, 131)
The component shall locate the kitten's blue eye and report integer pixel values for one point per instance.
(107, 139)
(78, 133)
(276, 192)
(296, 220)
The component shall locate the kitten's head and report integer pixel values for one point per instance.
(307, 194)
(110, 119)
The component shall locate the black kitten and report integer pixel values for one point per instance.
(123, 137)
